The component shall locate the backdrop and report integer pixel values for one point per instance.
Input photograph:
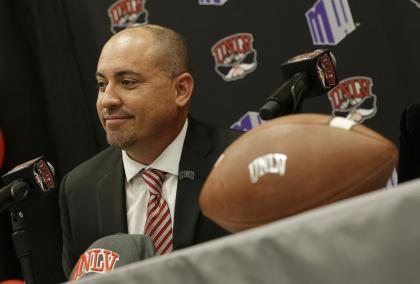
(49, 50)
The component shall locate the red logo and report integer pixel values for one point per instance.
(95, 260)
(354, 98)
(2, 149)
(235, 56)
(127, 13)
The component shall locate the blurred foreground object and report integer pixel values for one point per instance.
(293, 164)
(356, 240)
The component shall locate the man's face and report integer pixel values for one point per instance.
(136, 99)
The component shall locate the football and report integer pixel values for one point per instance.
(292, 164)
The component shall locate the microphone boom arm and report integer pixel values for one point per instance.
(281, 102)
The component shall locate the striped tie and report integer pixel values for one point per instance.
(158, 220)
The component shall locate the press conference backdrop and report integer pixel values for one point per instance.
(49, 50)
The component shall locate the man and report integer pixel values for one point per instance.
(145, 88)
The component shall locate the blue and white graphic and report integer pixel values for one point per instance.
(392, 181)
(330, 21)
(249, 120)
(212, 2)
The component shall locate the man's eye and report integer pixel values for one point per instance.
(127, 83)
(101, 85)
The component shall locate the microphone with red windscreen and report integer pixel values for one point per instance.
(25, 182)
(307, 75)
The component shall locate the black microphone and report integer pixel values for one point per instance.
(13, 193)
(307, 75)
(26, 182)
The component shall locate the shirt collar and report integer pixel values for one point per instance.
(168, 161)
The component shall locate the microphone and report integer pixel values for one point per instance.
(13, 193)
(26, 182)
(307, 75)
(111, 252)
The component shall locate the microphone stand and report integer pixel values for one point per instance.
(19, 235)
(22, 247)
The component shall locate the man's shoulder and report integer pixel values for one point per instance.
(410, 119)
(97, 166)
(218, 134)
(223, 135)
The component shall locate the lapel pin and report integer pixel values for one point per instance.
(186, 175)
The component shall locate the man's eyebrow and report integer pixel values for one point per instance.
(120, 74)
(126, 73)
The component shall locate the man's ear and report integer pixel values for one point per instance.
(184, 85)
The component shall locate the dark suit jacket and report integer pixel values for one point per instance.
(92, 196)
(409, 161)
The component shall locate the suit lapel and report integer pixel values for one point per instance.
(196, 148)
(111, 202)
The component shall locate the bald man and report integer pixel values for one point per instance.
(145, 85)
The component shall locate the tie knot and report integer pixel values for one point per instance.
(154, 179)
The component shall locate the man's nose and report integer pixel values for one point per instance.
(110, 97)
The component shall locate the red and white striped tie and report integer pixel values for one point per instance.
(158, 221)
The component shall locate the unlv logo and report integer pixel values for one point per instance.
(95, 260)
(248, 121)
(273, 163)
(1, 149)
(234, 56)
(127, 13)
(354, 98)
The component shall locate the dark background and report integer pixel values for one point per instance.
(48, 55)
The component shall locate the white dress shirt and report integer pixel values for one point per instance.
(137, 194)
